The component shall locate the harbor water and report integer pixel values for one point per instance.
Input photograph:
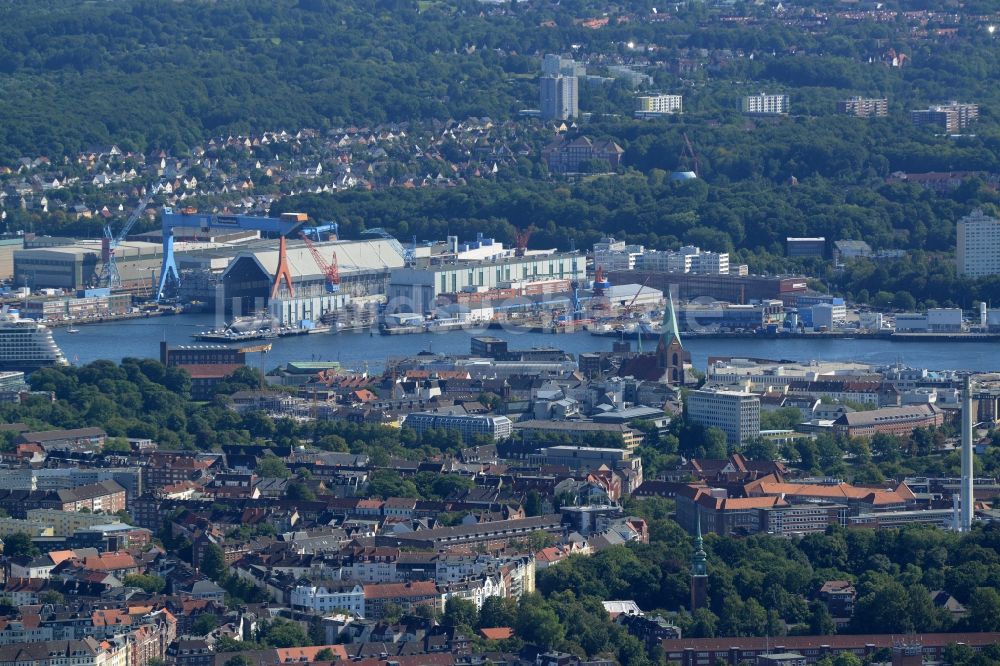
(141, 338)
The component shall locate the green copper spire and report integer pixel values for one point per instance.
(670, 321)
(699, 566)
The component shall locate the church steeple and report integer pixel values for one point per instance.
(699, 570)
(670, 353)
(699, 565)
(670, 330)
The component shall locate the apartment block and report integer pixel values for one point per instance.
(977, 248)
(764, 105)
(658, 105)
(863, 107)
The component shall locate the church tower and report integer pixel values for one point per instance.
(699, 571)
(670, 353)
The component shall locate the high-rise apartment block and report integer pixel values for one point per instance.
(559, 97)
(978, 247)
(863, 107)
(658, 105)
(734, 412)
(555, 65)
(765, 105)
(950, 118)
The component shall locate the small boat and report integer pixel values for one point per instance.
(72, 330)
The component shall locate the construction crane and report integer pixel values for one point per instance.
(110, 277)
(627, 310)
(689, 151)
(331, 269)
(521, 238)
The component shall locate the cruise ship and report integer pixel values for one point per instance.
(26, 345)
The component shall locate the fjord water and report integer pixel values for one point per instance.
(141, 338)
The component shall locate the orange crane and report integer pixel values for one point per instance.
(331, 269)
(521, 238)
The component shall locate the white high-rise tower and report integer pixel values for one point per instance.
(965, 490)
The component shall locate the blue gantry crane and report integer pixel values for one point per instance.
(283, 226)
(110, 277)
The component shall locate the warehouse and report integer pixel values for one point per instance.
(416, 288)
(364, 271)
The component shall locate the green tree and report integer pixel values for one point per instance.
(239, 660)
(984, 609)
(213, 562)
(284, 633)
(497, 612)
(272, 467)
(460, 613)
(150, 583)
(326, 654)
(537, 623)
(204, 624)
(52, 597)
(19, 544)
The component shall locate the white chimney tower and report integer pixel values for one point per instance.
(965, 490)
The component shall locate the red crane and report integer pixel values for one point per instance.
(521, 238)
(331, 269)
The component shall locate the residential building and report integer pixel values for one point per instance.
(764, 105)
(559, 97)
(329, 597)
(977, 248)
(736, 413)
(648, 106)
(839, 596)
(949, 118)
(469, 425)
(863, 107)
(568, 155)
(407, 596)
(84, 652)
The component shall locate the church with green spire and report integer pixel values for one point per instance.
(666, 364)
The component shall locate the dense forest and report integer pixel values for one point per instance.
(145, 75)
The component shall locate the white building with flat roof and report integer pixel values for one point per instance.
(736, 413)
(977, 249)
(765, 105)
(658, 105)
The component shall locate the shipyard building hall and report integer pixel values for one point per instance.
(364, 271)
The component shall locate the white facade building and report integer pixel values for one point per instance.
(658, 105)
(326, 598)
(764, 104)
(978, 245)
(736, 413)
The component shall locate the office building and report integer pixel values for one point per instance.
(559, 97)
(765, 105)
(805, 247)
(949, 118)
(863, 107)
(978, 245)
(734, 412)
(658, 105)
(469, 425)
